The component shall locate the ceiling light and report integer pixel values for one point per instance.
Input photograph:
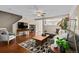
(40, 13)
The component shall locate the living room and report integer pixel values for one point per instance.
(39, 28)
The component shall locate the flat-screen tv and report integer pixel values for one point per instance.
(22, 25)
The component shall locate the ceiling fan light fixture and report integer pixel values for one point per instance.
(40, 13)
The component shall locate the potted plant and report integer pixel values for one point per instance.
(63, 44)
(64, 23)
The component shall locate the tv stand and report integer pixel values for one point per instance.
(22, 30)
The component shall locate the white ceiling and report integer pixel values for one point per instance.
(28, 11)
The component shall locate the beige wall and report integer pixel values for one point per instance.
(7, 19)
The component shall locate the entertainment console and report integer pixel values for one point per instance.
(22, 25)
(23, 28)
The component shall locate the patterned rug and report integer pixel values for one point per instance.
(34, 48)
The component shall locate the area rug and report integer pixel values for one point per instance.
(34, 48)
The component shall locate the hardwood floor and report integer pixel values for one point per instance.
(13, 47)
(20, 39)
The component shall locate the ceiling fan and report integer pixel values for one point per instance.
(39, 12)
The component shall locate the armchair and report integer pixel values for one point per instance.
(5, 36)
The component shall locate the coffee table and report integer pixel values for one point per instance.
(40, 39)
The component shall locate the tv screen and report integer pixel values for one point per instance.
(22, 25)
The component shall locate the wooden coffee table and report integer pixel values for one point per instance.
(40, 39)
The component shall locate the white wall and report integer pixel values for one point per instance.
(14, 28)
(29, 21)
